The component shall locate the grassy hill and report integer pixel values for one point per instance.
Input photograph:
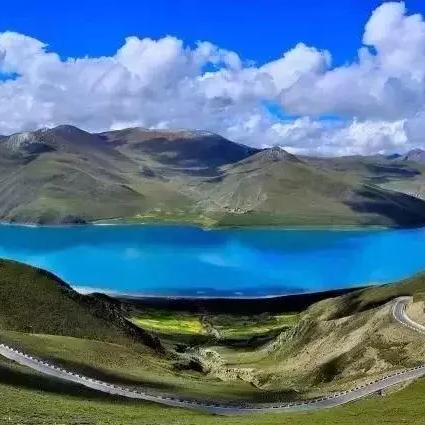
(35, 301)
(278, 187)
(91, 334)
(336, 342)
(64, 174)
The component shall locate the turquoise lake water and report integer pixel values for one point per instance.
(189, 261)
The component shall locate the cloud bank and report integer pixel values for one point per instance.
(374, 104)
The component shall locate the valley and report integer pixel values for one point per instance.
(208, 356)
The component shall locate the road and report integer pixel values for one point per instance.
(398, 312)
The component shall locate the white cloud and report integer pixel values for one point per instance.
(387, 81)
(379, 97)
(300, 63)
(306, 136)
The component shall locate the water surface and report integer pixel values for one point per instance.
(189, 261)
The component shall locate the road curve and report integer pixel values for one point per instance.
(398, 313)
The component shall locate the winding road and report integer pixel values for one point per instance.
(398, 312)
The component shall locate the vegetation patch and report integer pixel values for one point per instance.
(166, 322)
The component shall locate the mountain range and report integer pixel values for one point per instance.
(67, 175)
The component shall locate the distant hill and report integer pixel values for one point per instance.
(67, 175)
(415, 155)
(277, 187)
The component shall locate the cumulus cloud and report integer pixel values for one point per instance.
(327, 138)
(387, 80)
(378, 98)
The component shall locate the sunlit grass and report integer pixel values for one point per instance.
(170, 323)
(252, 326)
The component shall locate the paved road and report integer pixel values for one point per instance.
(400, 315)
(398, 312)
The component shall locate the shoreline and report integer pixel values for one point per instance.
(291, 303)
(236, 298)
(301, 227)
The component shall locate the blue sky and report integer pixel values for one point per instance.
(321, 77)
(257, 29)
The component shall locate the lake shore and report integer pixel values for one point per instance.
(244, 306)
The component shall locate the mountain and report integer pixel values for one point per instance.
(415, 155)
(192, 152)
(276, 187)
(67, 175)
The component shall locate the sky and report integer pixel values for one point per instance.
(318, 77)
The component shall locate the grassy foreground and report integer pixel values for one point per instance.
(35, 400)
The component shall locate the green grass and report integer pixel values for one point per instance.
(169, 322)
(128, 365)
(177, 324)
(242, 327)
(35, 301)
(29, 399)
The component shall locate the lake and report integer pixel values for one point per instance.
(190, 261)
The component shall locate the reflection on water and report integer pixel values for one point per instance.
(179, 260)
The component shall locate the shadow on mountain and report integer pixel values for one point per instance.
(400, 209)
(197, 156)
(384, 173)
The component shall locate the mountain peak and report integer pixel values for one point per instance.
(415, 155)
(277, 153)
(416, 151)
(67, 128)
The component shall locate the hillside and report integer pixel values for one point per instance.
(67, 175)
(334, 342)
(278, 187)
(35, 301)
(92, 334)
(25, 398)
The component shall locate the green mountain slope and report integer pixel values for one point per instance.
(35, 301)
(67, 175)
(273, 185)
